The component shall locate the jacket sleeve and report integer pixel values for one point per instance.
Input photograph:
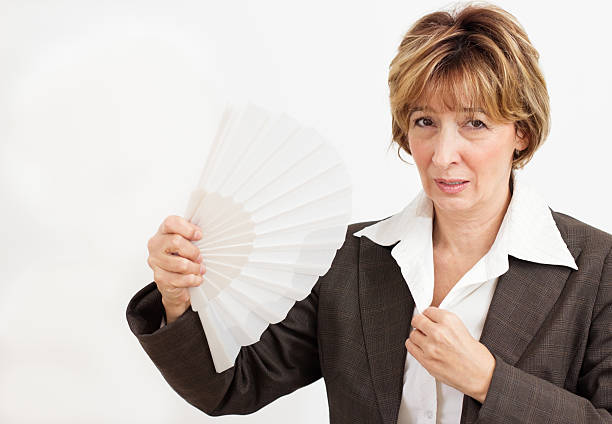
(283, 360)
(516, 396)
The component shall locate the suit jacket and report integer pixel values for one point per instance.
(548, 327)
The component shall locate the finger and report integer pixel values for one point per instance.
(168, 281)
(417, 337)
(177, 264)
(177, 244)
(423, 323)
(175, 224)
(437, 315)
(414, 350)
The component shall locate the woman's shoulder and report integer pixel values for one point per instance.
(355, 227)
(580, 234)
(358, 226)
(349, 251)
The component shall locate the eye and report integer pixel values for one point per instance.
(478, 124)
(426, 122)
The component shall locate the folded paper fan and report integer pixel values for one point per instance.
(273, 203)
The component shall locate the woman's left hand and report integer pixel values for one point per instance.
(443, 345)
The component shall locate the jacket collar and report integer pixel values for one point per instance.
(387, 306)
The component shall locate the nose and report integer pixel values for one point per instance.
(446, 147)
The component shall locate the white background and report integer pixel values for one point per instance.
(106, 114)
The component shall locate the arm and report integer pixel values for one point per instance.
(519, 397)
(283, 360)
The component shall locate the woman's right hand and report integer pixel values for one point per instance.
(176, 263)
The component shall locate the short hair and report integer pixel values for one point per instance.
(479, 54)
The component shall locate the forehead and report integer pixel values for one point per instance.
(453, 90)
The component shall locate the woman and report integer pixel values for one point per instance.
(476, 303)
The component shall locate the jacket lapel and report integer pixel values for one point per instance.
(386, 310)
(523, 298)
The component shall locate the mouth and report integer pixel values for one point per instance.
(450, 181)
(451, 185)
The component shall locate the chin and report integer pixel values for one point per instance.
(452, 204)
(457, 202)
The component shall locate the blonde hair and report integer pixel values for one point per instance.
(479, 54)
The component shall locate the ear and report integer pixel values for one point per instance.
(521, 141)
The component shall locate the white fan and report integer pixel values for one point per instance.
(273, 203)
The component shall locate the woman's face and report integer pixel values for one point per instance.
(451, 145)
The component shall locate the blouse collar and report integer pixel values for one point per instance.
(528, 232)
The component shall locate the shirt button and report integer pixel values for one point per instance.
(429, 414)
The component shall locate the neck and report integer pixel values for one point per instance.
(469, 233)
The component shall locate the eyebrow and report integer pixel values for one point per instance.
(428, 109)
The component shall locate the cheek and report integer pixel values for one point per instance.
(492, 150)
(497, 156)
(420, 150)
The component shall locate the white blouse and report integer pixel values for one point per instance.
(528, 231)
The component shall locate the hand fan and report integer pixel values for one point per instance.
(273, 203)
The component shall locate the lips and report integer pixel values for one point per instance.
(451, 185)
(450, 180)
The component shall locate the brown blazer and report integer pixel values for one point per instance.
(548, 326)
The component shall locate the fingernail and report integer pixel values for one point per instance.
(199, 260)
(202, 269)
(197, 235)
